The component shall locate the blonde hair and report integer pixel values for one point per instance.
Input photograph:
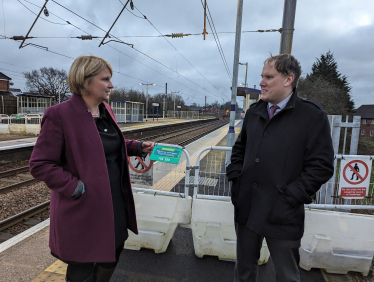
(83, 69)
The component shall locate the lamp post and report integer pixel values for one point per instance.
(175, 94)
(146, 99)
(59, 97)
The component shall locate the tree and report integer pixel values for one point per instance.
(326, 93)
(325, 72)
(47, 81)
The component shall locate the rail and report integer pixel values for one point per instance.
(13, 220)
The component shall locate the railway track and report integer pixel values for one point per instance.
(180, 136)
(15, 219)
(13, 171)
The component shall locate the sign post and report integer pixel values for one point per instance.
(153, 106)
(355, 175)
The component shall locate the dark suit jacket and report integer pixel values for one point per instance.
(278, 164)
(69, 148)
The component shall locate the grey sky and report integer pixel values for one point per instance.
(345, 27)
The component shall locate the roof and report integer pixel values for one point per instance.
(15, 90)
(28, 94)
(3, 76)
(6, 93)
(125, 101)
(365, 111)
(242, 91)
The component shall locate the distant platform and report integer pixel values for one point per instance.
(17, 142)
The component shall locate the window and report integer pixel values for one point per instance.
(362, 131)
(363, 121)
(371, 132)
(372, 121)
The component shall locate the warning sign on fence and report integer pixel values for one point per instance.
(141, 171)
(355, 175)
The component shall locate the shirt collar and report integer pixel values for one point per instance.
(102, 110)
(283, 103)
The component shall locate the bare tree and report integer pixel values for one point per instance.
(330, 96)
(48, 81)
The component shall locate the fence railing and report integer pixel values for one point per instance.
(210, 182)
(210, 179)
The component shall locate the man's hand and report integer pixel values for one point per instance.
(147, 147)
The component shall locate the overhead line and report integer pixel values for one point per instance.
(134, 48)
(218, 46)
(175, 48)
(219, 42)
(37, 14)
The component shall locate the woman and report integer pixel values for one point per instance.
(81, 155)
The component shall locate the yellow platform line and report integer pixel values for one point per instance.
(56, 272)
(170, 180)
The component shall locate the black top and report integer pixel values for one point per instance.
(114, 147)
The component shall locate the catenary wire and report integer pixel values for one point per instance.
(219, 43)
(218, 46)
(144, 54)
(40, 17)
(175, 48)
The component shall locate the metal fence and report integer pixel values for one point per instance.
(183, 114)
(209, 178)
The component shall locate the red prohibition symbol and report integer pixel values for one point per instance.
(349, 165)
(142, 164)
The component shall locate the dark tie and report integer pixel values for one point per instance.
(273, 108)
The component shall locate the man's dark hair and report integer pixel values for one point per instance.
(286, 64)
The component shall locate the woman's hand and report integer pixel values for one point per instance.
(147, 147)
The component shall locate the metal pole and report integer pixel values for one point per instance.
(59, 97)
(106, 35)
(289, 12)
(146, 105)
(246, 69)
(231, 134)
(175, 94)
(33, 24)
(166, 93)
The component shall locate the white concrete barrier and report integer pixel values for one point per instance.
(33, 122)
(337, 242)
(158, 217)
(213, 230)
(4, 124)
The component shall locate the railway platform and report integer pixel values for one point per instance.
(26, 257)
(30, 141)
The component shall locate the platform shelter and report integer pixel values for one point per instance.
(251, 95)
(32, 103)
(127, 111)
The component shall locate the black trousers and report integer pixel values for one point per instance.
(284, 254)
(79, 271)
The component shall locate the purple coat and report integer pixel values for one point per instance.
(69, 148)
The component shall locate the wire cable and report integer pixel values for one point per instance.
(219, 43)
(37, 14)
(176, 48)
(133, 47)
(218, 46)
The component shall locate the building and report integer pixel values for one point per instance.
(367, 120)
(4, 85)
(33, 103)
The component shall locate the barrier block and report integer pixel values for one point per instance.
(337, 242)
(33, 129)
(157, 218)
(4, 128)
(16, 128)
(213, 230)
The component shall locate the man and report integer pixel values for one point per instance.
(282, 156)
